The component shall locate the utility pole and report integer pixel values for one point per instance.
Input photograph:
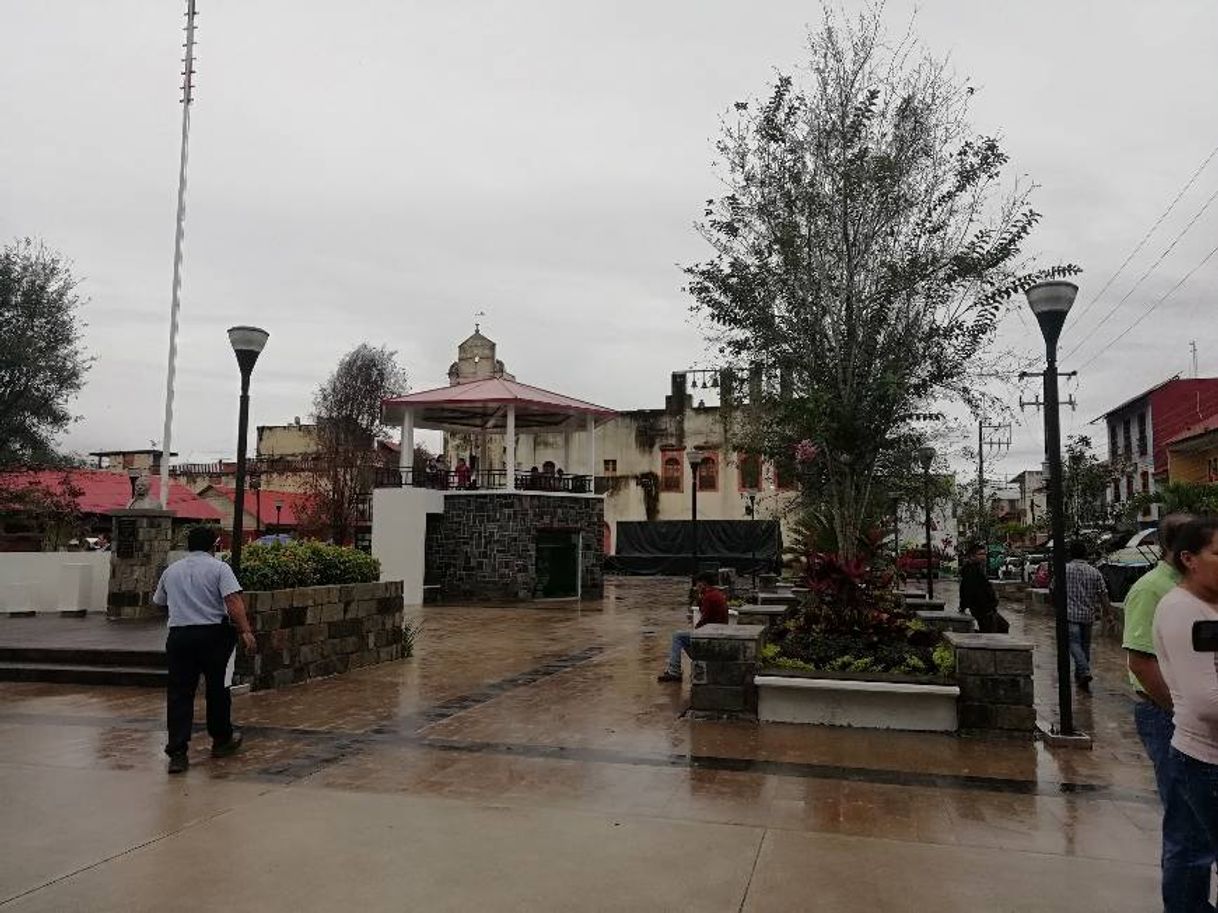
(175, 303)
(995, 437)
(1193, 345)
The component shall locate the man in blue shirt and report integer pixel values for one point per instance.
(203, 597)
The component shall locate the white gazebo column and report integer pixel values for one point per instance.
(406, 457)
(566, 451)
(592, 450)
(509, 443)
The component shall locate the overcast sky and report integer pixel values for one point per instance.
(380, 170)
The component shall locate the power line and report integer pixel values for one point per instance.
(1112, 310)
(1150, 231)
(1150, 309)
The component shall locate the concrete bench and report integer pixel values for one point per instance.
(948, 621)
(922, 604)
(766, 615)
(866, 705)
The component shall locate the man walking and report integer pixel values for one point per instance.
(1187, 856)
(977, 594)
(712, 610)
(206, 617)
(1086, 598)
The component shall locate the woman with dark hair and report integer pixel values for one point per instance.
(1192, 679)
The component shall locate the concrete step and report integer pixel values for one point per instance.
(82, 656)
(79, 674)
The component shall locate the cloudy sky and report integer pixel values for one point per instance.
(381, 170)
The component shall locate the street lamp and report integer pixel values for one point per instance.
(1051, 302)
(247, 343)
(695, 462)
(278, 515)
(256, 488)
(132, 476)
(926, 455)
(750, 511)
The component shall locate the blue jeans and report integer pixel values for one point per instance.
(1188, 853)
(680, 641)
(1080, 649)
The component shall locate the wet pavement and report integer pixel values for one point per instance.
(526, 759)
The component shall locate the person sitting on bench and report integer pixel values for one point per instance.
(712, 610)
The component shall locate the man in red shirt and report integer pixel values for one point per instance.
(712, 610)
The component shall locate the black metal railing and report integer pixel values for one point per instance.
(481, 480)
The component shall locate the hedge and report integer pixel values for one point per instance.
(283, 565)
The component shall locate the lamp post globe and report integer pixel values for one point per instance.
(1051, 303)
(248, 343)
(926, 456)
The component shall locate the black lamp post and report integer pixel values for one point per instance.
(256, 488)
(926, 455)
(750, 511)
(1051, 302)
(695, 461)
(132, 476)
(247, 343)
(278, 516)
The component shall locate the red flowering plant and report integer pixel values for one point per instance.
(852, 620)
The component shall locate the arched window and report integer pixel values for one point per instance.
(750, 471)
(673, 476)
(708, 473)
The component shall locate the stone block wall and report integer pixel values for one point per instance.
(487, 546)
(140, 544)
(724, 659)
(994, 673)
(310, 632)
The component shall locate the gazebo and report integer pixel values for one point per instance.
(496, 406)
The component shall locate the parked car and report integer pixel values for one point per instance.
(912, 562)
(1012, 568)
(1124, 566)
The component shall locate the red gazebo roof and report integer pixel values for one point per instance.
(482, 404)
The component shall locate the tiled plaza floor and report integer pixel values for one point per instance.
(526, 759)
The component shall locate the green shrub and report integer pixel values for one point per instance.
(291, 564)
(945, 659)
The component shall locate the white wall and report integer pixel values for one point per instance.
(43, 581)
(399, 527)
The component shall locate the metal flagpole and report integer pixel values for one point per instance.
(188, 72)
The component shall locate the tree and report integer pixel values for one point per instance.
(863, 253)
(347, 414)
(44, 515)
(1084, 487)
(42, 356)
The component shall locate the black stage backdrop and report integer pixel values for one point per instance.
(666, 546)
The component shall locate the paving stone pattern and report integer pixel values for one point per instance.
(136, 568)
(488, 548)
(314, 631)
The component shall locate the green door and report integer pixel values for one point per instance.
(557, 564)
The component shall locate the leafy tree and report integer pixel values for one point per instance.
(347, 414)
(863, 253)
(42, 356)
(45, 516)
(1178, 497)
(1085, 479)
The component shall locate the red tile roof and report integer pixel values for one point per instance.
(499, 390)
(102, 492)
(293, 501)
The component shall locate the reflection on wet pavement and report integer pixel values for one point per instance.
(558, 707)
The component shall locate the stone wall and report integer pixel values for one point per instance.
(487, 544)
(994, 672)
(140, 542)
(724, 661)
(315, 631)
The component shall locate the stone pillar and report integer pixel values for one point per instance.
(994, 672)
(139, 552)
(591, 431)
(724, 662)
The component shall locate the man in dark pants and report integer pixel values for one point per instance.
(206, 618)
(977, 593)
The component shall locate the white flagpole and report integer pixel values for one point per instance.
(188, 72)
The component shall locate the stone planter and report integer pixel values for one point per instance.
(314, 631)
(875, 702)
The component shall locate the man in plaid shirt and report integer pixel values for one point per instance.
(1086, 598)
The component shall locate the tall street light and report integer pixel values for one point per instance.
(256, 488)
(247, 343)
(695, 462)
(278, 516)
(926, 455)
(1051, 302)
